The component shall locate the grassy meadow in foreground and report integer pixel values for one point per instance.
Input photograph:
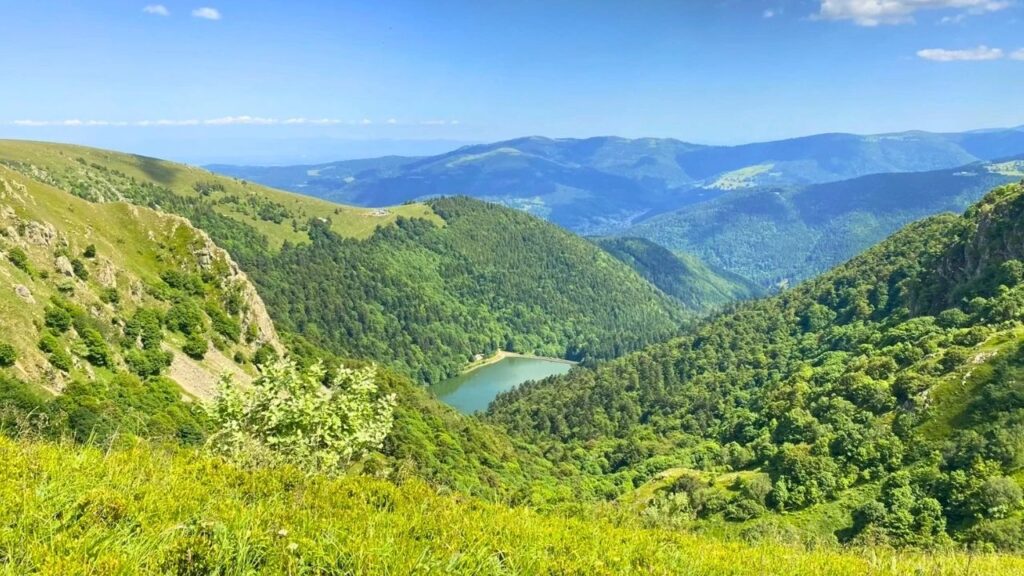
(139, 510)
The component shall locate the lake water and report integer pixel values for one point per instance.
(472, 392)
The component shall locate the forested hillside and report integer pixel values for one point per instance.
(780, 236)
(419, 287)
(681, 276)
(880, 402)
(428, 298)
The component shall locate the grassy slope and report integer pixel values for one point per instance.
(135, 244)
(144, 511)
(346, 220)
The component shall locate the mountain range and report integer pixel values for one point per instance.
(601, 185)
(779, 236)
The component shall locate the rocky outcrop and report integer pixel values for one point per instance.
(254, 311)
(991, 234)
(24, 293)
(63, 265)
(106, 275)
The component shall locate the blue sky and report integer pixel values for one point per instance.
(159, 76)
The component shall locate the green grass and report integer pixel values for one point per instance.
(347, 221)
(141, 510)
(951, 397)
(133, 243)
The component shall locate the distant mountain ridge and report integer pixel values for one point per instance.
(777, 236)
(603, 184)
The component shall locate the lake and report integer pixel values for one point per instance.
(473, 391)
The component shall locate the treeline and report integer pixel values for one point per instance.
(426, 299)
(847, 381)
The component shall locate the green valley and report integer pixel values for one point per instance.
(876, 403)
(455, 288)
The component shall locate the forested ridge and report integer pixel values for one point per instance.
(681, 276)
(890, 384)
(428, 298)
(422, 294)
(778, 236)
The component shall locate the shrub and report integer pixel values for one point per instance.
(185, 317)
(57, 318)
(110, 296)
(148, 362)
(1000, 496)
(80, 270)
(8, 355)
(90, 251)
(19, 258)
(223, 324)
(287, 416)
(56, 353)
(97, 351)
(144, 327)
(195, 346)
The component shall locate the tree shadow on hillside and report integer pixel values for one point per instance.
(156, 169)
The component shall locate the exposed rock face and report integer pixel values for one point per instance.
(254, 312)
(992, 235)
(24, 293)
(64, 266)
(106, 276)
(40, 233)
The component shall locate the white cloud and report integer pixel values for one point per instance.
(971, 54)
(157, 9)
(243, 120)
(206, 13)
(768, 14)
(145, 123)
(392, 121)
(1017, 54)
(876, 12)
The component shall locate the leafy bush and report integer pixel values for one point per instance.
(8, 355)
(148, 362)
(97, 351)
(288, 416)
(56, 353)
(222, 323)
(185, 317)
(19, 258)
(57, 318)
(90, 251)
(195, 346)
(80, 270)
(144, 327)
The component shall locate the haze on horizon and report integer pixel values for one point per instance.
(266, 83)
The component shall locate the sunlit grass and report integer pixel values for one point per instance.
(143, 510)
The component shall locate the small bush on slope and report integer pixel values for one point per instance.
(287, 416)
